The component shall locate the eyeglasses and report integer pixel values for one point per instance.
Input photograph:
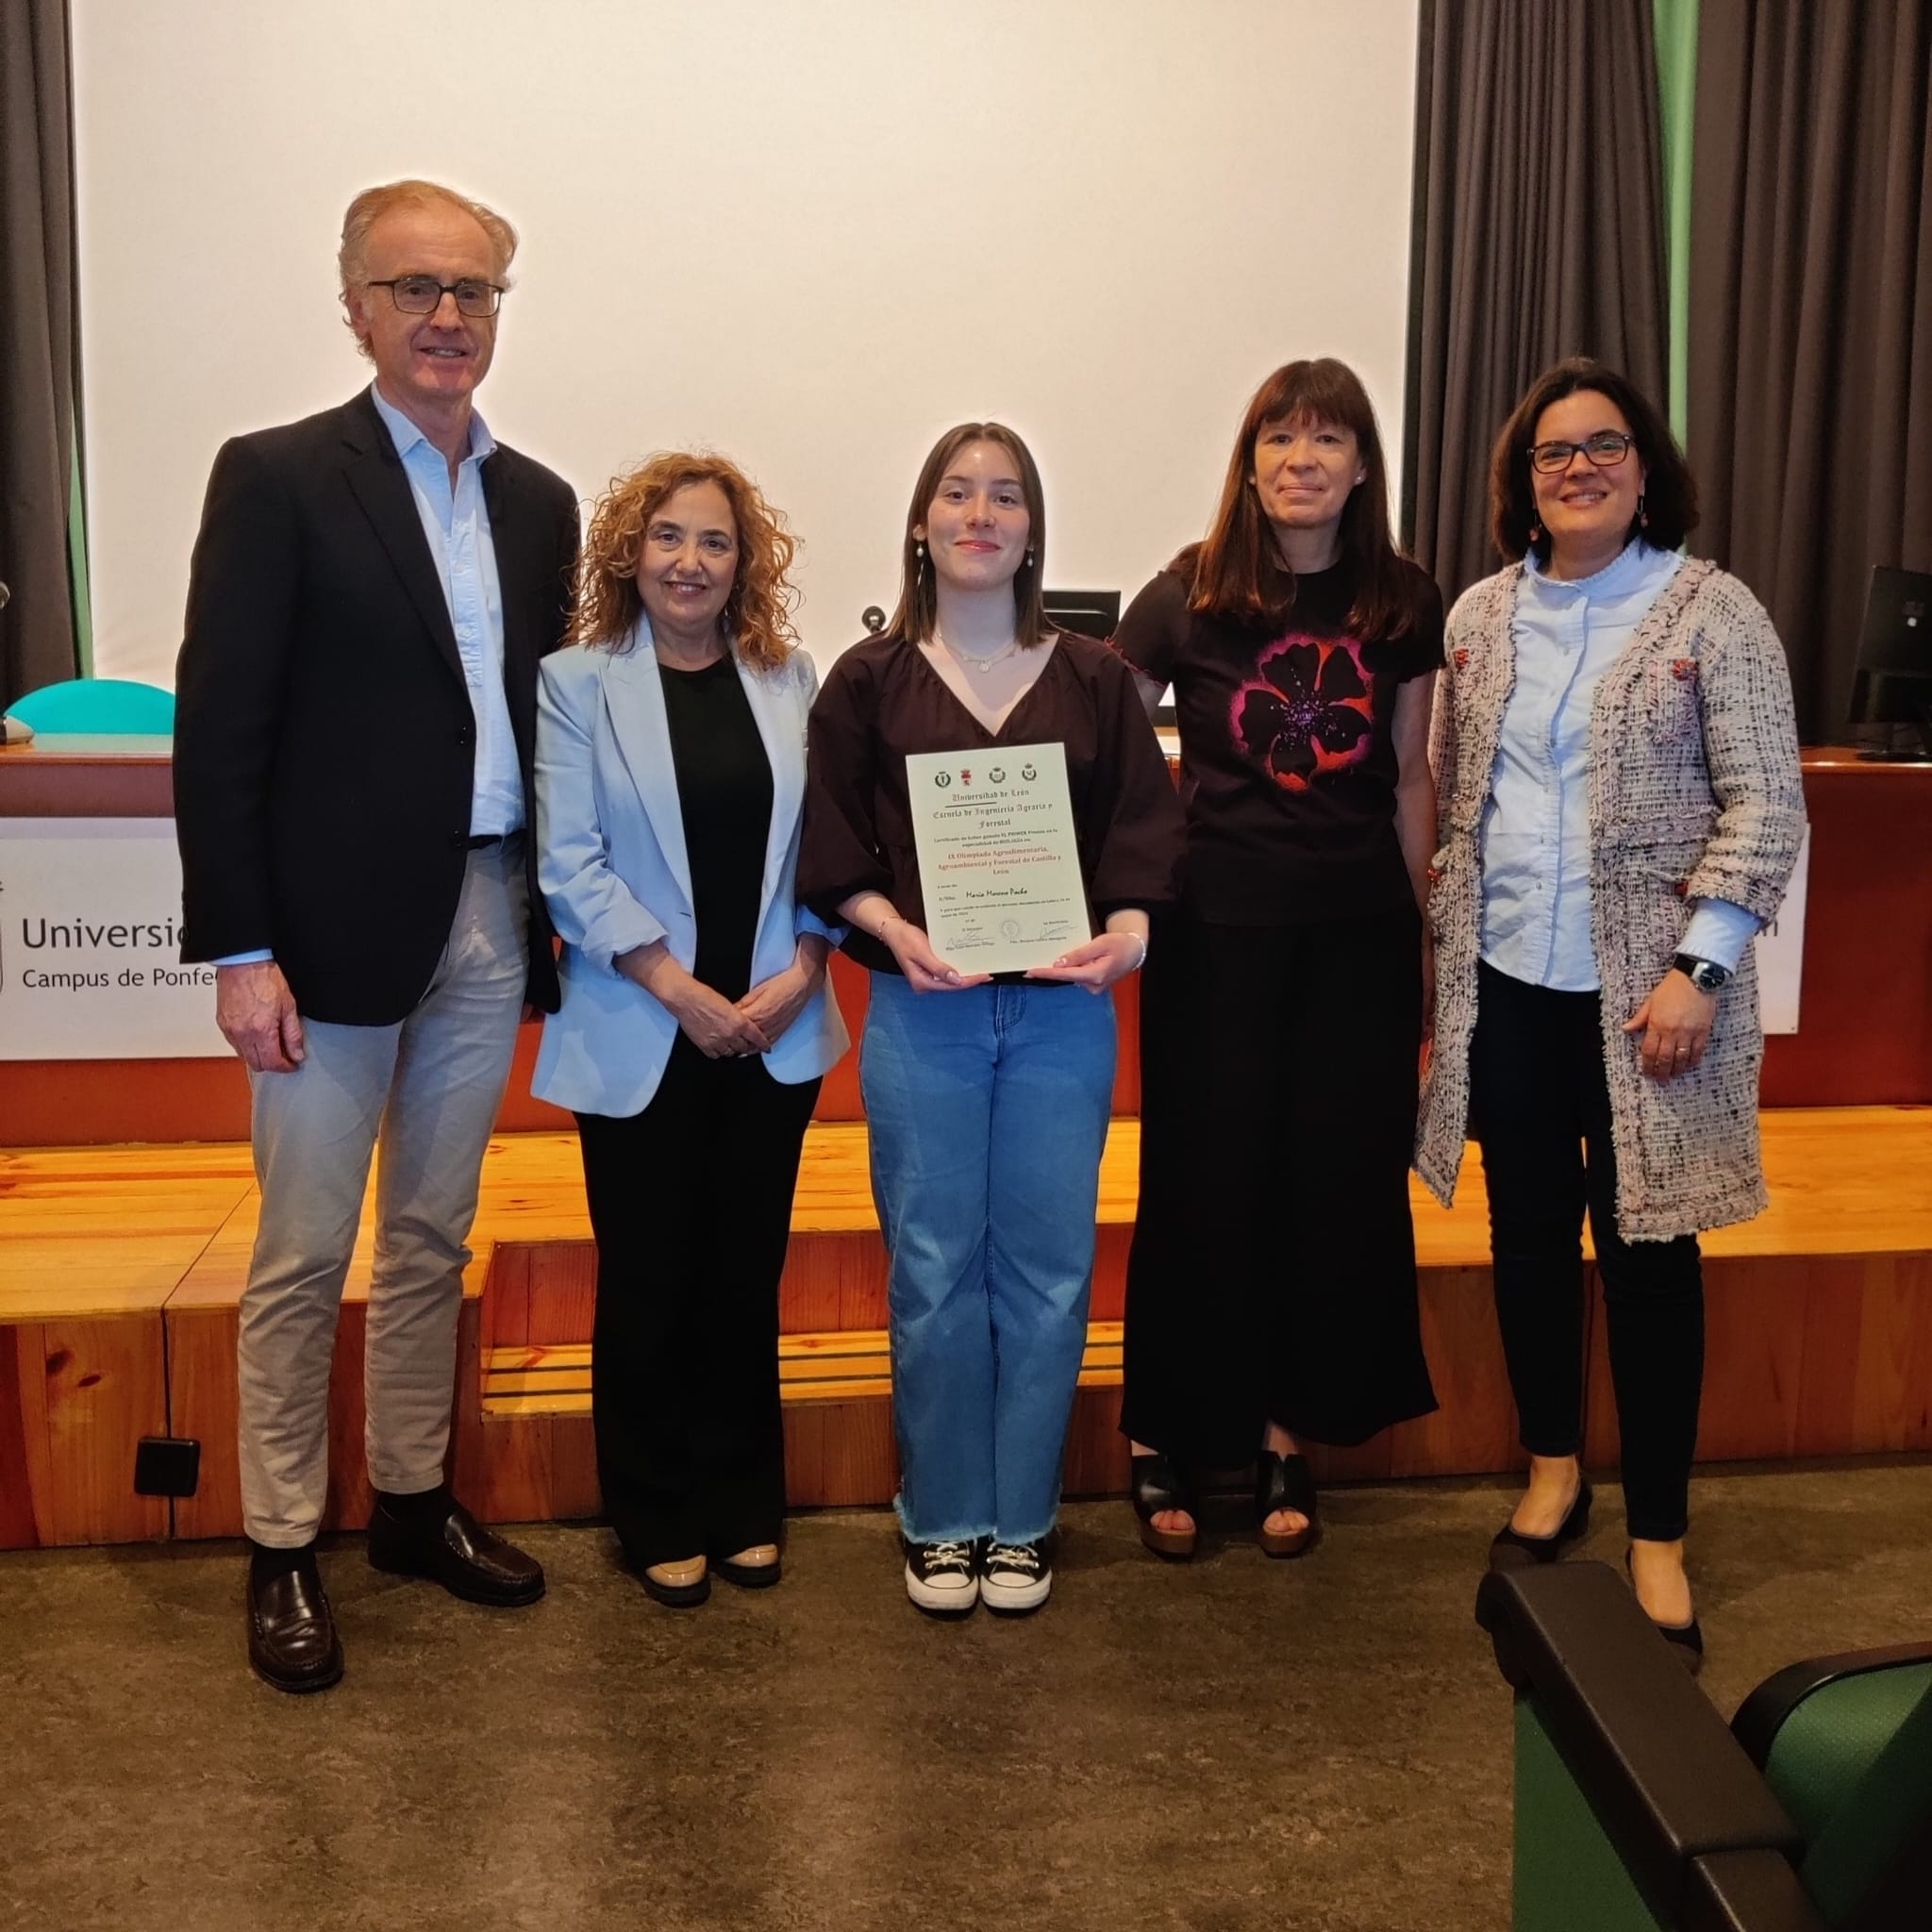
(423, 294)
(1605, 449)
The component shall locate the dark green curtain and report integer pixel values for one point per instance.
(42, 553)
(1538, 232)
(1811, 342)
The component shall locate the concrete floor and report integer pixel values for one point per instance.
(1321, 1744)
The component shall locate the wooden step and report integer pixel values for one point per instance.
(122, 1269)
(848, 1365)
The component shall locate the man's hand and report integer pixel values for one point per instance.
(257, 1014)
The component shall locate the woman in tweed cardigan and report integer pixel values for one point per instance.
(1621, 810)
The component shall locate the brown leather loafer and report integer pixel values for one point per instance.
(292, 1635)
(446, 1544)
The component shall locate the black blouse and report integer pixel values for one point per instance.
(882, 702)
(725, 795)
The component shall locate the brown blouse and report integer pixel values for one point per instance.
(882, 701)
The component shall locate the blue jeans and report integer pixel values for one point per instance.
(988, 1112)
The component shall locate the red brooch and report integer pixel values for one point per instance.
(1684, 669)
(1681, 887)
(1461, 656)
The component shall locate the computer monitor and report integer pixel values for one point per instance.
(1893, 684)
(1093, 613)
(1098, 614)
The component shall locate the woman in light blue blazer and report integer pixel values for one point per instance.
(696, 1020)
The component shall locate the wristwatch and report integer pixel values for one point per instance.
(1707, 976)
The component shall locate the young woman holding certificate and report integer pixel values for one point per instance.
(1272, 1287)
(987, 1096)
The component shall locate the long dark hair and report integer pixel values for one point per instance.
(1236, 571)
(1669, 491)
(917, 616)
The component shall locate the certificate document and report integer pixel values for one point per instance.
(998, 865)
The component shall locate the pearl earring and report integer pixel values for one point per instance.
(1029, 556)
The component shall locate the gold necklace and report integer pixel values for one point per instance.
(979, 664)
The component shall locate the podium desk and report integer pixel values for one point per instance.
(1865, 1018)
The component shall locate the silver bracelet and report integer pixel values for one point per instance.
(1142, 960)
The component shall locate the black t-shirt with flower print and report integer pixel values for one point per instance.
(1288, 763)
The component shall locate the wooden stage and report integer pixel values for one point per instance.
(121, 1268)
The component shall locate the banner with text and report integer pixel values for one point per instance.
(91, 945)
(1781, 952)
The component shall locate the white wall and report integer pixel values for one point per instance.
(810, 233)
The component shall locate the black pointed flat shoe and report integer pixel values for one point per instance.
(1285, 1482)
(1510, 1549)
(1158, 1486)
(1687, 1640)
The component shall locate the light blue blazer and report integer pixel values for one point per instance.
(614, 871)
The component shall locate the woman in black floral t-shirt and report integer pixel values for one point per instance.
(1272, 1291)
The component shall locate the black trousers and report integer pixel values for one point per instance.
(1273, 1271)
(1539, 1107)
(690, 1202)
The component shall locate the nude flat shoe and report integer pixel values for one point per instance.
(680, 1586)
(756, 1567)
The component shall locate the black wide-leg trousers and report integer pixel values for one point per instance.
(1539, 1108)
(1271, 1276)
(690, 1203)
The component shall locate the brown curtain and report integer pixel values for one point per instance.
(1538, 233)
(39, 350)
(1810, 353)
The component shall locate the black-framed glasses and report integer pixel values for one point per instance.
(423, 294)
(1605, 449)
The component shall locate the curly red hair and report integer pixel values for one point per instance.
(756, 618)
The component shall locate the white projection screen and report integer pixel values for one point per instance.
(808, 233)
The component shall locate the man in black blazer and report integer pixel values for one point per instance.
(371, 592)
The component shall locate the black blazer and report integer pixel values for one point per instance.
(325, 745)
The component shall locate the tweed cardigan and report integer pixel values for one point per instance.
(1694, 793)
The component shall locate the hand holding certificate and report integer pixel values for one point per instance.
(999, 868)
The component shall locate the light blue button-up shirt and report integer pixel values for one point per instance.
(456, 521)
(1536, 924)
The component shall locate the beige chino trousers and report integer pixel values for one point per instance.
(422, 1096)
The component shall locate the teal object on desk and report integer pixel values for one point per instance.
(99, 705)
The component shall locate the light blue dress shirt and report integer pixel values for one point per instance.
(456, 523)
(1536, 911)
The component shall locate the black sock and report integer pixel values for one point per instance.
(265, 1561)
(425, 1508)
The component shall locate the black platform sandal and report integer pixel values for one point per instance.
(1510, 1549)
(1158, 1486)
(1284, 1482)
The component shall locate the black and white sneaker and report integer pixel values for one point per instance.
(1015, 1577)
(940, 1578)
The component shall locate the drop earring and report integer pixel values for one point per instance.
(1536, 535)
(1029, 556)
(1642, 515)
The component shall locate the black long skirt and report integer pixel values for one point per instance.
(1273, 1270)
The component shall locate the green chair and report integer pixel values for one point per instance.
(113, 707)
(1639, 1810)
